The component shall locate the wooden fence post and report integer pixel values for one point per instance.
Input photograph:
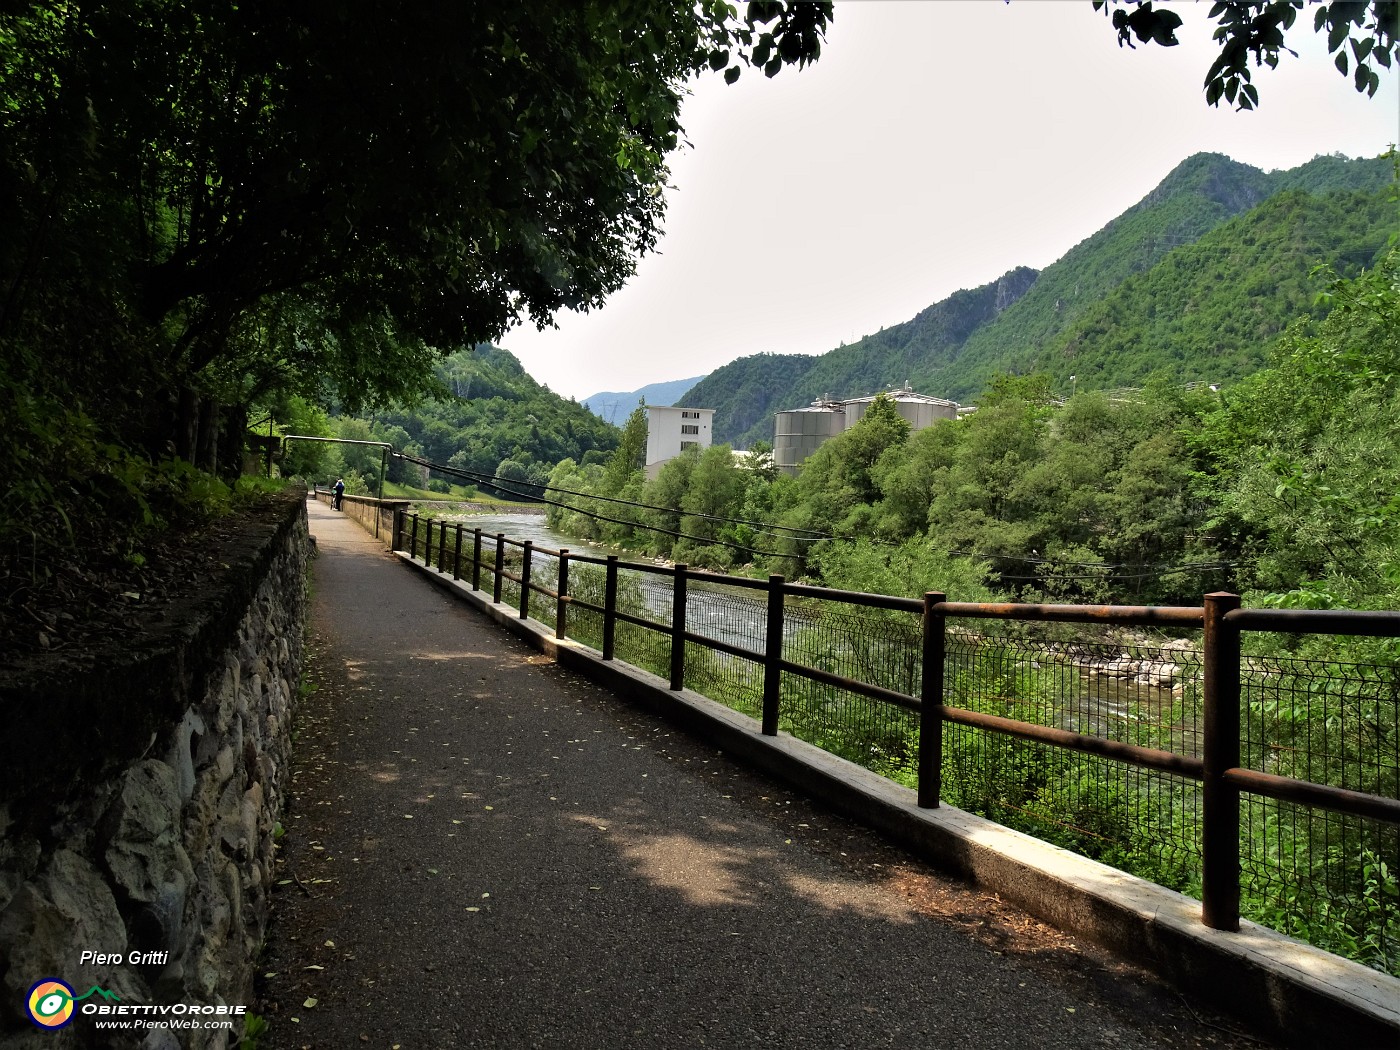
(931, 700)
(529, 556)
(476, 559)
(457, 554)
(1220, 801)
(610, 608)
(773, 656)
(561, 611)
(678, 629)
(500, 565)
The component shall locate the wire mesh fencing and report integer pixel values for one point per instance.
(1332, 879)
(852, 679)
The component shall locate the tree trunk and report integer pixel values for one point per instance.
(185, 438)
(207, 446)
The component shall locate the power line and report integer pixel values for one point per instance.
(1163, 567)
(763, 525)
(694, 514)
(503, 485)
(500, 484)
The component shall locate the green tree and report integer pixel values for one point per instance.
(1361, 35)
(515, 481)
(207, 205)
(630, 455)
(716, 490)
(668, 490)
(330, 159)
(1303, 464)
(837, 486)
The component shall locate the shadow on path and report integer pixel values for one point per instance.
(482, 851)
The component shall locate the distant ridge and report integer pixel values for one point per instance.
(614, 406)
(1195, 280)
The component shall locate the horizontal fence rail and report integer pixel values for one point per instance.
(1142, 736)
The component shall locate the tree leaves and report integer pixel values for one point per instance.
(1256, 28)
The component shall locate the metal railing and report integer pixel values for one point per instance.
(1138, 735)
(376, 515)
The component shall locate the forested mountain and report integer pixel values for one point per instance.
(492, 412)
(615, 406)
(746, 393)
(1200, 195)
(1196, 279)
(1210, 310)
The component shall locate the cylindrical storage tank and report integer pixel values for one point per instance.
(799, 433)
(918, 413)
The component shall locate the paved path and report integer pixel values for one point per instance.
(483, 851)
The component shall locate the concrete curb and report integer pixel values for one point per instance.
(1301, 995)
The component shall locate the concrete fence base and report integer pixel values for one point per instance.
(1301, 995)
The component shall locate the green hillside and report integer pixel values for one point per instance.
(746, 393)
(496, 412)
(1209, 311)
(1174, 283)
(1198, 196)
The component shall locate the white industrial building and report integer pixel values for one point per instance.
(798, 433)
(670, 431)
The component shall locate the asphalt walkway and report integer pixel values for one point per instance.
(483, 851)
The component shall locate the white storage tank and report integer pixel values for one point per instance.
(799, 432)
(919, 410)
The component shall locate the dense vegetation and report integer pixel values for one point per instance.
(1281, 486)
(1210, 217)
(1195, 280)
(490, 418)
(211, 214)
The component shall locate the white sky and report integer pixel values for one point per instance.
(935, 145)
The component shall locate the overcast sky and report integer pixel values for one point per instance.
(935, 146)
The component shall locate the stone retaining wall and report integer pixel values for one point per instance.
(139, 801)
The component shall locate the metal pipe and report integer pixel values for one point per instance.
(1220, 798)
(500, 566)
(678, 630)
(610, 608)
(931, 697)
(772, 664)
(561, 610)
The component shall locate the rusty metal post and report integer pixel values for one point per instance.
(1220, 801)
(500, 565)
(476, 559)
(413, 540)
(931, 699)
(773, 656)
(457, 554)
(529, 556)
(678, 629)
(610, 608)
(561, 611)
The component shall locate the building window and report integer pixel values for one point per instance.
(688, 444)
(689, 428)
(689, 415)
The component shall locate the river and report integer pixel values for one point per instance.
(1088, 701)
